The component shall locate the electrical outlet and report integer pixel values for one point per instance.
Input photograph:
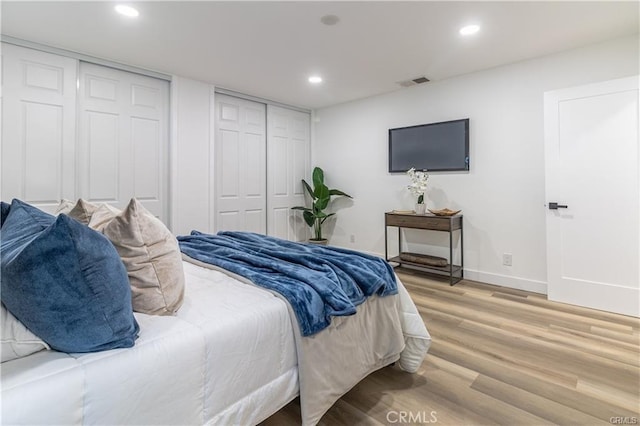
(507, 259)
(352, 238)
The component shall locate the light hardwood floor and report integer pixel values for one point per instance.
(501, 356)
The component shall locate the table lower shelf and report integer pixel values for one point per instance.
(453, 273)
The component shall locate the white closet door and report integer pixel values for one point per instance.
(288, 163)
(38, 126)
(123, 138)
(240, 165)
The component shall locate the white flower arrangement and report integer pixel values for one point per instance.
(418, 183)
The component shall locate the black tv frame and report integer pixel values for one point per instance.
(466, 145)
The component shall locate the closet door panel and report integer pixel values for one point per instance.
(101, 141)
(103, 137)
(123, 138)
(280, 218)
(278, 173)
(254, 171)
(147, 153)
(229, 168)
(230, 221)
(254, 221)
(38, 126)
(299, 166)
(42, 152)
(240, 165)
(288, 163)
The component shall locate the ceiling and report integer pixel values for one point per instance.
(269, 49)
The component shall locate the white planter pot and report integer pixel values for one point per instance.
(421, 208)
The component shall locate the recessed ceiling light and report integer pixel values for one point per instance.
(330, 19)
(127, 11)
(469, 30)
(315, 79)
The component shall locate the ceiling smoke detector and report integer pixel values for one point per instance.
(413, 82)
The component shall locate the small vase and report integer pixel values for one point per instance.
(421, 208)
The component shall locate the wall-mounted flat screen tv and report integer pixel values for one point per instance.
(433, 147)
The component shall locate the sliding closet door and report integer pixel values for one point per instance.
(38, 126)
(289, 158)
(123, 138)
(240, 165)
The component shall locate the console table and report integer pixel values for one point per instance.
(432, 223)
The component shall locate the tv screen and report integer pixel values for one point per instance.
(432, 147)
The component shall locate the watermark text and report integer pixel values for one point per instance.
(619, 420)
(423, 417)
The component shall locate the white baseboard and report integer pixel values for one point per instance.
(506, 281)
(495, 279)
(617, 299)
(610, 298)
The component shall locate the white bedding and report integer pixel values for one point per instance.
(158, 381)
(228, 357)
(334, 360)
(250, 367)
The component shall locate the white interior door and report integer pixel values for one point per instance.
(240, 165)
(123, 138)
(38, 126)
(288, 163)
(591, 154)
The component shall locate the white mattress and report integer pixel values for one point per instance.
(40, 389)
(228, 357)
(251, 364)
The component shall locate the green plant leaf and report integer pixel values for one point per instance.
(308, 188)
(321, 191)
(318, 177)
(338, 192)
(322, 203)
(309, 217)
(326, 217)
(301, 208)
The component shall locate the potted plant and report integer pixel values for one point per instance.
(417, 187)
(320, 195)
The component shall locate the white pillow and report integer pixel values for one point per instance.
(17, 340)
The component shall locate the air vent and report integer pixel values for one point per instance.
(413, 82)
(420, 80)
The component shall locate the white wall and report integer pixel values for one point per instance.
(502, 196)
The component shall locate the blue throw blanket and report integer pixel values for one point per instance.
(319, 282)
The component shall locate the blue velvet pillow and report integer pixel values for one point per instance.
(4, 211)
(65, 282)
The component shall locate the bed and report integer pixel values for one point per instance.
(233, 353)
(228, 357)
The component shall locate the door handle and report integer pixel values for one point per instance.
(556, 206)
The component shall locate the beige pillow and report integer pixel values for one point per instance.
(102, 216)
(17, 340)
(80, 211)
(65, 206)
(151, 254)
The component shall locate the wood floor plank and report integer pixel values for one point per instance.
(501, 356)
(577, 342)
(535, 384)
(610, 342)
(531, 403)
